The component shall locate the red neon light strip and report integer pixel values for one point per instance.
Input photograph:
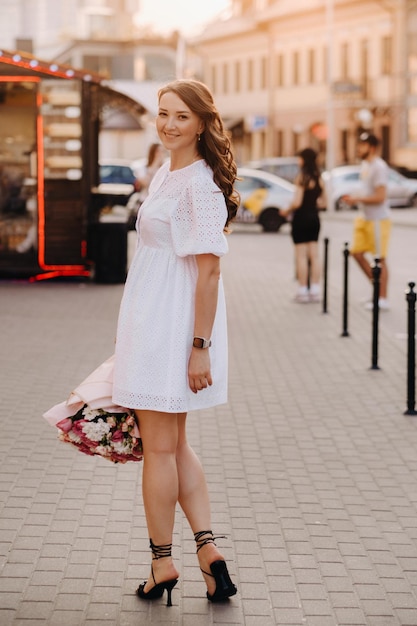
(19, 79)
(41, 185)
(58, 274)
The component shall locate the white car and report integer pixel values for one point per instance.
(285, 167)
(262, 195)
(345, 180)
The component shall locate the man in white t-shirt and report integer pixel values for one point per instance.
(372, 229)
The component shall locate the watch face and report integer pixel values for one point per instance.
(200, 342)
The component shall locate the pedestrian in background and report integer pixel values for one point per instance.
(303, 212)
(145, 174)
(372, 229)
(171, 347)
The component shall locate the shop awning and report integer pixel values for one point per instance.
(21, 64)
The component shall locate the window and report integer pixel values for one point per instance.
(364, 67)
(344, 61)
(295, 142)
(213, 78)
(225, 78)
(250, 75)
(386, 55)
(249, 183)
(296, 68)
(344, 136)
(238, 85)
(279, 70)
(264, 73)
(99, 64)
(412, 62)
(279, 141)
(311, 66)
(100, 26)
(412, 125)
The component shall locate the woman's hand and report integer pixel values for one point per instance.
(199, 374)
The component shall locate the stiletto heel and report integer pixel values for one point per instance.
(157, 591)
(224, 585)
(169, 586)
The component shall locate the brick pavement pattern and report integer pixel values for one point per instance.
(312, 466)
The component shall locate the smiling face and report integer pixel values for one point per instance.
(178, 127)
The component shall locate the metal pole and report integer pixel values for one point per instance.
(325, 269)
(376, 274)
(411, 297)
(345, 332)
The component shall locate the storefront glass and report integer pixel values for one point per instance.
(18, 169)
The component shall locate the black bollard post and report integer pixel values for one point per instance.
(411, 356)
(326, 263)
(345, 332)
(376, 274)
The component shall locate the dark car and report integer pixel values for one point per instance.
(117, 172)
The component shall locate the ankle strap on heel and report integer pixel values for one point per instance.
(201, 540)
(160, 552)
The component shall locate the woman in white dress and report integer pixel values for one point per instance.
(171, 348)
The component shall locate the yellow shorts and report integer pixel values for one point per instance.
(371, 236)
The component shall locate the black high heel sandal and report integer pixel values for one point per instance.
(224, 586)
(158, 552)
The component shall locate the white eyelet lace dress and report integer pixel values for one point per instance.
(183, 215)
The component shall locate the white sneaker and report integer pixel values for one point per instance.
(315, 292)
(383, 305)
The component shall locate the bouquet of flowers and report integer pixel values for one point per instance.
(114, 436)
(93, 424)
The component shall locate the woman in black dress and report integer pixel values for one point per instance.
(309, 199)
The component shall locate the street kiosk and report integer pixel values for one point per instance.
(50, 119)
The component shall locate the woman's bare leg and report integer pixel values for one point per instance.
(301, 261)
(159, 433)
(313, 255)
(194, 498)
(383, 286)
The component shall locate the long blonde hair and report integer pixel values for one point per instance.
(213, 144)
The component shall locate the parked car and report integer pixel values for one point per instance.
(118, 186)
(401, 191)
(117, 171)
(285, 167)
(262, 195)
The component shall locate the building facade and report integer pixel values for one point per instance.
(287, 74)
(100, 36)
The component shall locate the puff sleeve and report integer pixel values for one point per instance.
(199, 218)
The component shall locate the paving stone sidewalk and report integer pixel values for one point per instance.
(312, 465)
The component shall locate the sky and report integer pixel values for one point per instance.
(187, 16)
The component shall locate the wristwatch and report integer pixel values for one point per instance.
(201, 343)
